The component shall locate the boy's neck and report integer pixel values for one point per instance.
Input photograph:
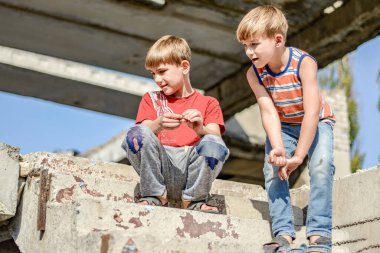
(280, 60)
(186, 90)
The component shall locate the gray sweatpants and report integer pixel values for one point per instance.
(180, 172)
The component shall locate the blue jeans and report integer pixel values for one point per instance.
(321, 171)
(180, 172)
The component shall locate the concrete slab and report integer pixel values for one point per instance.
(356, 211)
(84, 224)
(68, 187)
(89, 209)
(9, 172)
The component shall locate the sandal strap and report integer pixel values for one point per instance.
(280, 240)
(195, 205)
(278, 243)
(152, 200)
(322, 240)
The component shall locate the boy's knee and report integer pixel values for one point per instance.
(213, 149)
(134, 138)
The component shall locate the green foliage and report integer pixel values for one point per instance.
(357, 161)
(353, 119)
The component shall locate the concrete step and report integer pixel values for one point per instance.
(72, 177)
(80, 224)
(84, 167)
(66, 187)
(87, 224)
(78, 181)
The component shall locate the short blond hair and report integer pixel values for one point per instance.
(263, 20)
(168, 49)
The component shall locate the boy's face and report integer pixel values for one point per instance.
(171, 77)
(260, 49)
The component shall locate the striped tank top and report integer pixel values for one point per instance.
(285, 89)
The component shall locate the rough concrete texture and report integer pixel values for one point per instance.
(89, 209)
(9, 174)
(4, 232)
(115, 182)
(86, 224)
(356, 211)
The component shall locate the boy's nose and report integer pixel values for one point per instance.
(158, 79)
(249, 51)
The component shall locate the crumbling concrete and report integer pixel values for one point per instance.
(9, 174)
(356, 211)
(89, 208)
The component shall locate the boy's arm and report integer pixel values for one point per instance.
(308, 75)
(195, 121)
(270, 119)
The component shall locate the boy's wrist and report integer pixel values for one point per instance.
(201, 131)
(299, 157)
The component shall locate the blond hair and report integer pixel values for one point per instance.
(168, 49)
(263, 20)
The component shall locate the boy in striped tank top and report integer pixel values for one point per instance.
(298, 123)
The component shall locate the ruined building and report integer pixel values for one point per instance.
(59, 203)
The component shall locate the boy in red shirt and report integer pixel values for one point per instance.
(176, 145)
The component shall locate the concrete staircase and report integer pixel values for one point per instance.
(72, 204)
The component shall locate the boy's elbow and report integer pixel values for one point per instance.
(313, 115)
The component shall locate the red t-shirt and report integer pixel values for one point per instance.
(154, 104)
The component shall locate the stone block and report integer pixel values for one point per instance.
(9, 173)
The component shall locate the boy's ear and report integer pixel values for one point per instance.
(279, 39)
(185, 64)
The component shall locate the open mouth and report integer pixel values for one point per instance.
(255, 59)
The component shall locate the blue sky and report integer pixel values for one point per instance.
(365, 66)
(38, 125)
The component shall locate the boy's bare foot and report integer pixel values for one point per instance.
(143, 203)
(199, 206)
(206, 207)
(312, 240)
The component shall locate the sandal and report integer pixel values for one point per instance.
(197, 206)
(278, 244)
(154, 201)
(322, 244)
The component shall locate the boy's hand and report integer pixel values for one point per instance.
(194, 120)
(170, 121)
(277, 157)
(291, 165)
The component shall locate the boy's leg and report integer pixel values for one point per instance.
(321, 171)
(278, 190)
(148, 158)
(205, 163)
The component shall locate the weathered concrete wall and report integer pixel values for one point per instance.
(9, 174)
(356, 211)
(89, 208)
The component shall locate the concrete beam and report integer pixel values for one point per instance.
(114, 36)
(233, 93)
(34, 84)
(340, 32)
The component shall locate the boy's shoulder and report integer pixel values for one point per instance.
(206, 98)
